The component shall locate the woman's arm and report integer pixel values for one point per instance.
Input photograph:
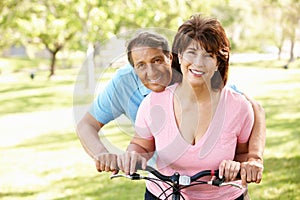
(138, 152)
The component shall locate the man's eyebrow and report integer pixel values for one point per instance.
(157, 56)
(139, 62)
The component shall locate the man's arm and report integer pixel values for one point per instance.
(87, 131)
(252, 162)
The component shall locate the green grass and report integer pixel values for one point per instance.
(53, 165)
(21, 94)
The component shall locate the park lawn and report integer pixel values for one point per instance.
(21, 94)
(53, 165)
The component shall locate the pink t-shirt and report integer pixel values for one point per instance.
(232, 123)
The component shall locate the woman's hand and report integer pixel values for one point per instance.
(130, 160)
(229, 169)
(106, 162)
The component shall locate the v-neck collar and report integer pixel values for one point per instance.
(213, 132)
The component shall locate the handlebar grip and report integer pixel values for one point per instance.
(158, 174)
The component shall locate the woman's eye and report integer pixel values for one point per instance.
(191, 52)
(209, 55)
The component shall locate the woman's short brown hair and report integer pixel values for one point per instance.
(209, 33)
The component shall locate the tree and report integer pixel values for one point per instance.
(8, 33)
(50, 23)
(291, 20)
(285, 20)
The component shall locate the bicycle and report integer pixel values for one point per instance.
(179, 182)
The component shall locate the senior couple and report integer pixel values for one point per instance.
(183, 110)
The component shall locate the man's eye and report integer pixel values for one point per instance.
(158, 61)
(140, 65)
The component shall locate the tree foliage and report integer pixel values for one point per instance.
(76, 24)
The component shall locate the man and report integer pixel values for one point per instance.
(151, 71)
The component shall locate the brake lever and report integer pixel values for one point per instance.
(217, 182)
(133, 176)
(120, 175)
(231, 184)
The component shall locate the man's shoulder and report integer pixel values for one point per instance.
(126, 71)
(235, 98)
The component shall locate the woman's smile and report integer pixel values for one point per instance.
(197, 72)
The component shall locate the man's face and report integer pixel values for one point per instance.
(153, 67)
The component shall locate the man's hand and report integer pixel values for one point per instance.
(106, 162)
(251, 171)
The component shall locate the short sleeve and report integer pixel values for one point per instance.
(143, 119)
(234, 87)
(106, 106)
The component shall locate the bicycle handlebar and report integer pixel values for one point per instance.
(181, 179)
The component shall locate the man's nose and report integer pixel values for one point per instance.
(151, 70)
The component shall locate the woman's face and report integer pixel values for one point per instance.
(153, 67)
(197, 65)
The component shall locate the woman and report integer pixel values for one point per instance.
(197, 124)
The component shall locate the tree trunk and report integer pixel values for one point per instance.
(279, 52)
(280, 47)
(292, 50)
(52, 66)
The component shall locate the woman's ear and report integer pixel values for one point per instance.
(179, 58)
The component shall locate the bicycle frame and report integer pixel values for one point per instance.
(178, 182)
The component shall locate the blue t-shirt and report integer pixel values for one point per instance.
(123, 95)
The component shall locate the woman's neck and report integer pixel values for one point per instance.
(200, 94)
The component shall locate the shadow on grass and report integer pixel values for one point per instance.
(18, 194)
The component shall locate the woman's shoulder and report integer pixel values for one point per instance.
(235, 98)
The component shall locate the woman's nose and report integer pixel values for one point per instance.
(198, 60)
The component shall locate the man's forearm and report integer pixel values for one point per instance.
(258, 135)
(256, 143)
(89, 138)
